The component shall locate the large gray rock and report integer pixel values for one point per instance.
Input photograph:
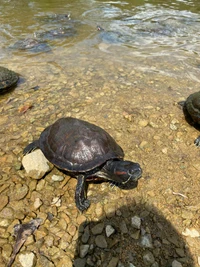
(36, 165)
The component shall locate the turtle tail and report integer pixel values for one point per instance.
(32, 146)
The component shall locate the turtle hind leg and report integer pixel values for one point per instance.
(32, 146)
(81, 202)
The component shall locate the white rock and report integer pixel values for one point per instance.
(27, 259)
(191, 232)
(136, 222)
(57, 178)
(198, 259)
(176, 264)
(56, 201)
(36, 165)
(109, 230)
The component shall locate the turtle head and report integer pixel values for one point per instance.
(124, 173)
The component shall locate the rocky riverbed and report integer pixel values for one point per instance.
(156, 224)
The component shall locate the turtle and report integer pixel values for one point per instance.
(85, 151)
(110, 37)
(60, 32)
(191, 109)
(8, 78)
(32, 45)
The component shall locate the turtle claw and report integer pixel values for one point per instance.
(83, 205)
(197, 141)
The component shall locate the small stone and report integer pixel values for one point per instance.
(44, 261)
(136, 235)
(7, 213)
(148, 258)
(65, 261)
(143, 123)
(143, 144)
(123, 227)
(86, 235)
(109, 230)
(27, 259)
(101, 241)
(4, 223)
(155, 264)
(84, 250)
(180, 252)
(191, 232)
(57, 178)
(97, 229)
(56, 201)
(113, 262)
(36, 165)
(99, 210)
(176, 263)
(136, 222)
(37, 203)
(164, 150)
(198, 260)
(146, 241)
(173, 127)
(79, 262)
(19, 192)
(3, 202)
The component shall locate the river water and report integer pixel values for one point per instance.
(134, 31)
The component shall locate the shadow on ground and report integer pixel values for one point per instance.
(136, 235)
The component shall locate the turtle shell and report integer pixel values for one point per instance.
(8, 78)
(193, 106)
(78, 146)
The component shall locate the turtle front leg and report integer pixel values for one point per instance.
(81, 202)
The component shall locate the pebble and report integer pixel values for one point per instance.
(113, 262)
(3, 202)
(143, 123)
(146, 241)
(7, 213)
(56, 201)
(37, 203)
(84, 250)
(65, 261)
(57, 178)
(148, 258)
(36, 165)
(27, 259)
(97, 229)
(79, 262)
(100, 241)
(86, 235)
(109, 230)
(176, 263)
(136, 222)
(191, 232)
(44, 262)
(123, 227)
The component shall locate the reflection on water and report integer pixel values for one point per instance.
(143, 25)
